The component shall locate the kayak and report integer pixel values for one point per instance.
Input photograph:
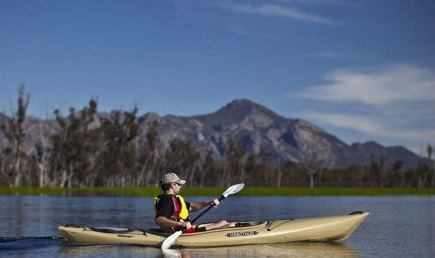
(332, 228)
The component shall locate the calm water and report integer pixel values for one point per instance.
(396, 227)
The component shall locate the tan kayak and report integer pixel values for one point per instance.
(334, 228)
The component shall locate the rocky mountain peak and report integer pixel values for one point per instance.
(238, 104)
(246, 106)
(239, 111)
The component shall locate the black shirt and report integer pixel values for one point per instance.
(165, 206)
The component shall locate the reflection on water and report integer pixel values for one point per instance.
(25, 244)
(301, 249)
(109, 251)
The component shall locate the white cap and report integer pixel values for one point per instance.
(172, 178)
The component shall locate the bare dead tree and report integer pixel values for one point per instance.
(235, 162)
(150, 156)
(397, 169)
(208, 169)
(361, 169)
(6, 166)
(183, 158)
(378, 165)
(278, 173)
(74, 145)
(13, 129)
(118, 158)
(313, 162)
(40, 156)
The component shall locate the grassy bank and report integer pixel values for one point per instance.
(213, 191)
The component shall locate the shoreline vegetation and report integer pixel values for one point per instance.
(214, 191)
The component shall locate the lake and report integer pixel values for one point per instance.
(401, 226)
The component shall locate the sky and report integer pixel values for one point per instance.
(361, 70)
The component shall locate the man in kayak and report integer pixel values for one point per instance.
(172, 212)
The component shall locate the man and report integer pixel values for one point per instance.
(172, 212)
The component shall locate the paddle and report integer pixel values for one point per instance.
(170, 240)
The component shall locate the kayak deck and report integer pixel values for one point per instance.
(333, 228)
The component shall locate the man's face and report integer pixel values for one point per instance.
(176, 187)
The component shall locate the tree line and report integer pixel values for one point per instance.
(90, 150)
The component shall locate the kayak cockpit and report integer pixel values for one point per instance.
(155, 231)
(158, 231)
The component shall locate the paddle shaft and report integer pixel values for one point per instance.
(208, 208)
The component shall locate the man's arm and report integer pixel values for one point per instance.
(166, 223)
(194, 206)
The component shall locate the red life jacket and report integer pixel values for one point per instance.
(181, 213)
(177, 209)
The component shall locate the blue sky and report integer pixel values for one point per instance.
(362, 70)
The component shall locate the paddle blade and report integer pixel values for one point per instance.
(171, 253)
(170, 240)
(233, 189)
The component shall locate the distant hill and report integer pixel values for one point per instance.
(255, 127)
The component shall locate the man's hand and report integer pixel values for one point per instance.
(186, 225)
(194, 206)
(214, 203)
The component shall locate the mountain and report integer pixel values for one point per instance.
(256, 128)
(259, 129)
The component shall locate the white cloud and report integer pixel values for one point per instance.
(394, 104)
(392, 84)
(361, 124)
(279, 11)
(377, 127)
